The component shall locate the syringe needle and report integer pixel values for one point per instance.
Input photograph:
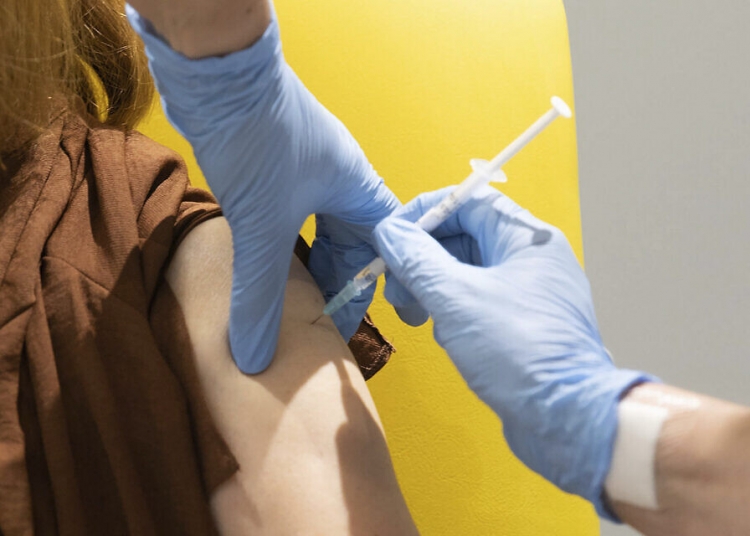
(349, 292)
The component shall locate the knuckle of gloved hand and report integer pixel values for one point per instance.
(491, 197)
(557, 235)
(553, 239)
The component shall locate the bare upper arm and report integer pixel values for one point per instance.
(306, 433)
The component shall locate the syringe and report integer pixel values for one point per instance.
(483, 173)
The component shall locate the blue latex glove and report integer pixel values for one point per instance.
(513, 309)
(272, 155)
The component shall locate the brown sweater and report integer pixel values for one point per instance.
(103, 426)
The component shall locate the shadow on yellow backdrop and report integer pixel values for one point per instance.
(424, 86)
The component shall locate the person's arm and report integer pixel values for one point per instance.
(313, 457)
(702, 466)
(204, 28)
(271, 154)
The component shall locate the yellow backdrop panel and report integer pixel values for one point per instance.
(426, 85)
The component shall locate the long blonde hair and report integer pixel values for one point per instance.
(70, 50)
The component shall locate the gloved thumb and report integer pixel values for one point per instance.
(415, 258)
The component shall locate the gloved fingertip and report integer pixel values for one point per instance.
(346, 321)
(413, 314)
(255, 363)
(348, 318)
(347, 326)
(406, 305)
(252, 349)
(255, 368)
(396, 293)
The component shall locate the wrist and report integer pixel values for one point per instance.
(201, 96)
(611, 388)
(699, 466)
(656, 419)
(632, 477)
(570, 439)
(206, 29)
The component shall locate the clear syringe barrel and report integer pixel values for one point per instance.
(370, 274)
(432, 219)
(438, 214)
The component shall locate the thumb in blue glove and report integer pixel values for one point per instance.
(513, 309)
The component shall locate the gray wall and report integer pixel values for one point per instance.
(663, 111)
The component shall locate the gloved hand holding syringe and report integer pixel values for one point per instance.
(483, 173)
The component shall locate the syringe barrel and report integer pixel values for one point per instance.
(432, 219)
(370, 274)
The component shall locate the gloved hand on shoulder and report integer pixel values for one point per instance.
(512, 308)
(272, 155)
